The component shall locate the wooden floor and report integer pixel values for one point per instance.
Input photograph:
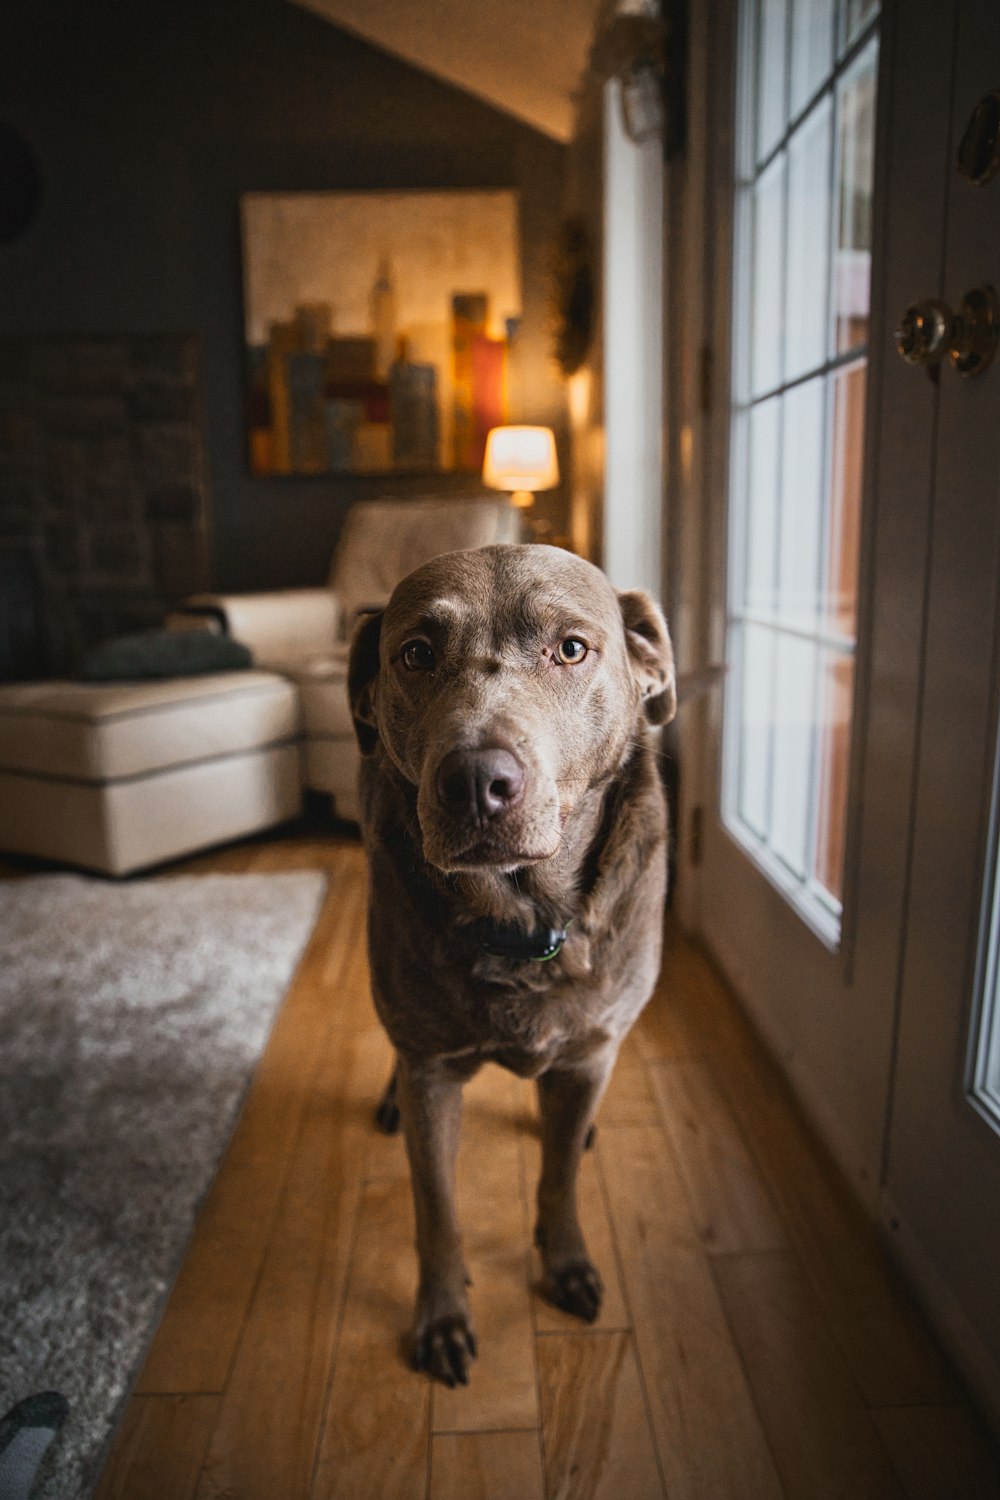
(753, 1343)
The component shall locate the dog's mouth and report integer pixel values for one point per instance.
(488, 854)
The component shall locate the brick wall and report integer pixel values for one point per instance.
(103, 481)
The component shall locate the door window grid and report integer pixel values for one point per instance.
(803, 227)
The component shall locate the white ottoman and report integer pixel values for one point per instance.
(117, 776)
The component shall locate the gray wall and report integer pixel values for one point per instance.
(149, 121)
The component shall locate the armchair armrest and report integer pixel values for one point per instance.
(279, 627)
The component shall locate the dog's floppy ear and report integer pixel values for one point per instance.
(650, 653)
(362, 679)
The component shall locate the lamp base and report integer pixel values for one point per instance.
(522, 499)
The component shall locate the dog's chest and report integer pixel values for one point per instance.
(551, 1015)
(530, 1034)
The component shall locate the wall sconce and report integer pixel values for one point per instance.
(644, 47)
(521, 460)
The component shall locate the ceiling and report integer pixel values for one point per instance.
(526, 57)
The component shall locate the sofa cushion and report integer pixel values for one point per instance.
(103, 732)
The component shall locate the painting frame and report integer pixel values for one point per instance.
(380, 328)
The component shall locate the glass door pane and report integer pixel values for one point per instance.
(855, 167)
(812, 49)
(807, 251)
(803, 252)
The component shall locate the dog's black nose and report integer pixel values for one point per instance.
(479, 784)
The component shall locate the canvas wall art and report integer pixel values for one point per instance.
(381, 328)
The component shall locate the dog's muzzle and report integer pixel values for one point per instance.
(482, 806)
(476, 787)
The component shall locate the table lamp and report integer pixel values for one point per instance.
(521, 460)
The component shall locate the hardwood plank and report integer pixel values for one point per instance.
(159, 1448)
(940, 1452)
(304, 852)
(375, 1439)
(726, 1117)
(344, 980)
(265, 1438)
(707, 1432)
(238, 859)
(493, 1213)
(629, 1099)
(630, 1054)
(486, 1466)
(386, 1155)
(706, 1011)
(888, 1346)
(597, 1231)
(731, 1206)
(662, 1032)
(596, 1434)
(887, 1343)
(293, 847)
(194, 1345)
(268, 858)
(822, 1435)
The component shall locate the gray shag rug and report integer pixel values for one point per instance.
(131, 1017)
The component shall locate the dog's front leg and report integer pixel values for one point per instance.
(430, 1098)
(568, 1100)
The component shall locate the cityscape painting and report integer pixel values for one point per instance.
(380, 327)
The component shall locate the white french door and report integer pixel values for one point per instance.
(787, 858)
(846, 873)
(942, 1190)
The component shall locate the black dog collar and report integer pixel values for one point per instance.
(502, 941)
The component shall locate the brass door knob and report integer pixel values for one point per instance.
(930, 332)
(925, 332)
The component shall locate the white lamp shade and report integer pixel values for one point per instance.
(521, 458)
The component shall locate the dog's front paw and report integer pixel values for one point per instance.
(577, 1289)
(445, 1347)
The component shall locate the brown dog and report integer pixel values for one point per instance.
(515, 828)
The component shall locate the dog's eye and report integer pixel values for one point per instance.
(418, 657)
(571, 650)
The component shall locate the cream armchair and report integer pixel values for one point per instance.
(303, 633)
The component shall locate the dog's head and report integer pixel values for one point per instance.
(504, 684)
